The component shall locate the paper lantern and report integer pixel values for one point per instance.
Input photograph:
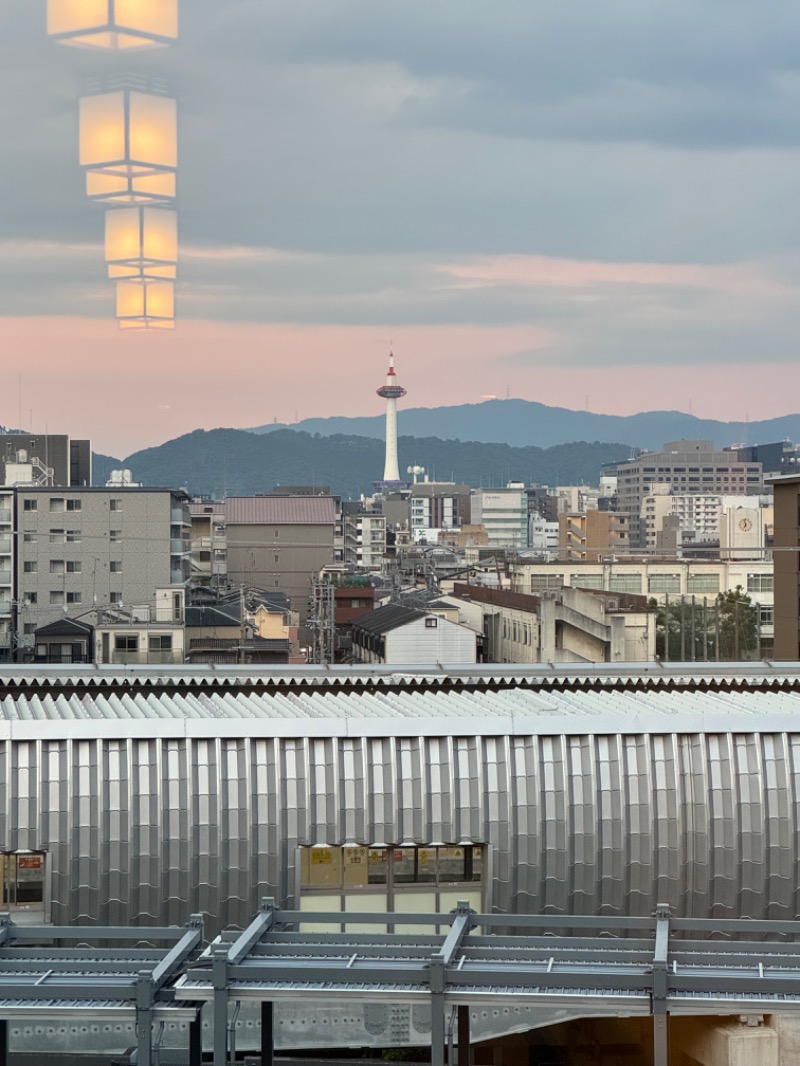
(113, 25)
(142, 243)
(129, 146)
(146, 304)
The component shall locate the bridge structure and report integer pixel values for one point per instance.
(577, 966)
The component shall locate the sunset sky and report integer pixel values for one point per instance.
(588, 204)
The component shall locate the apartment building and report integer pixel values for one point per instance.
(503, 513)
(364, 537)
(593, 535)
(685, 467)
(786, 557)
(6, 574)
(86, 550)
(49, 458)
(438, 505)
(209, 546)
(280, 542)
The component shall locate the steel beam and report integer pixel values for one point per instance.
(145, 993)
(220, 978)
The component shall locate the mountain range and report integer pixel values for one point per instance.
(234, 462)
(523, 423)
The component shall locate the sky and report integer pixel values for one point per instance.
(589, 204)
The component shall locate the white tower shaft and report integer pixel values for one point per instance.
(391, 392)
(391, 469)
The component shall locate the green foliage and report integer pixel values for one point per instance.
(234, 462)
(691, 632)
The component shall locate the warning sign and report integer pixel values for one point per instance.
(29, 862)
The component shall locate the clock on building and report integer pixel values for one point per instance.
(745, 525)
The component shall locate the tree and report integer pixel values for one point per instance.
(691, 631)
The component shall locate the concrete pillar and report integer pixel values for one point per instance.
(787, 1027)
(714, 1042)
(547, 627)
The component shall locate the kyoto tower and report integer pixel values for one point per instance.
(391, 392)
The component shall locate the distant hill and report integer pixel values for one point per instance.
(102, 465)
(237, 462)
(522, 423)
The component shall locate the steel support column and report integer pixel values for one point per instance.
(3, 1043)
(196, 1041)
(220, 975)
(661, 987)
(267, 1034)
(144, 1018)
(464, 1038)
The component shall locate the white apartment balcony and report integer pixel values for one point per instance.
(5, 578)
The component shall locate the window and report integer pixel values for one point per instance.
(766, 615)
(115, 597)
(126, 642)
(540, 582)
(28, 538)
(30, 505)
(73, 505)
(73, 567)
(160, 643)
(73, 536)
(115, 567)
(29, 628)
(358, 866)
(666, 583)
(625, 583)
(115, 534)
(73, 597)
(30, 567)
(703, 583)
(32, 597)
(57, 536)
(56, 597)
(56, 566)
(56, 503)
(115, 505)
(276, 533)
(586, 581)
(759, 583)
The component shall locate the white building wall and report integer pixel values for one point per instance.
(445, 642)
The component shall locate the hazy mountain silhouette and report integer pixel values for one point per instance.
(522, 423)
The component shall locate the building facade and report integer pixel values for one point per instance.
(786, 556)
(592, 535)
(684, 466)
(503, 513)
(85, 550)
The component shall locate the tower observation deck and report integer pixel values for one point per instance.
(391, 392)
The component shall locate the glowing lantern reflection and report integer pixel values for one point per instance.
(113, 25)
(146, 304)
(129, 146)
(142, 243)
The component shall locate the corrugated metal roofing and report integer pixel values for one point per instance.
(280, 510)
(645, 711)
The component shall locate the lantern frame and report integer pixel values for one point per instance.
(146, 305)
(128, 145)
(116, 29)
(142, 244)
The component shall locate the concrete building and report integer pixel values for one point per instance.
(209, 545)
(397, 634)
(81, 550)
(658, 579)
(280, 542)
(439, 505)
(543, 537)
(364, 537)
(687, 467)
(504, 515)
(786, 556)
(50, 458)
(593, 535)
(569, 625)
(7, 556)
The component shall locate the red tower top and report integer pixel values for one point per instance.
(391, 390)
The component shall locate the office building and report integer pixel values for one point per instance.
(47, 459)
